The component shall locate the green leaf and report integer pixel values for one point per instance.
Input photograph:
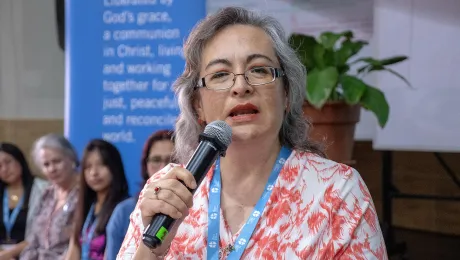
(330, 58)
(399, 76)
(374, 100)
(348, 50)
(370, 68)
(304, 45)
(392, 60)
(329, 39)
(383, 62)
(364, 68)
(353, 89)
(343, 69)
(318, 56)
(324, 57)
(320, 84)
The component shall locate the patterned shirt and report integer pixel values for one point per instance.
(318, 209)
(36, 194)
(50, 235)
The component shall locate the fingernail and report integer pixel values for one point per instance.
(193, 184)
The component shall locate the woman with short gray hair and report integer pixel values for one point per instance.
(50, 232)
(273, 195)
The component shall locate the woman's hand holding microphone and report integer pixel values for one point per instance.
(169, 196)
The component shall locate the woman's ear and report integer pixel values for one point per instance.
(198, 106)
(286, 103)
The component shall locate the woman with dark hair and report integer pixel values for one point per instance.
(102, 186)
(15, 185)
(156, 154)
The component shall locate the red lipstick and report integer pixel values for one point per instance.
(243, 113)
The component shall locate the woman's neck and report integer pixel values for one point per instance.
(64, 189)
(100, 199)
(247, 164)
(69, 183)
(15, 186)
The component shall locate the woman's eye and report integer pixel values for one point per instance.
(219, 75)
(260, 70)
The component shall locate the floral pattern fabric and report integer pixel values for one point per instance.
(319, 209)
(50, 235)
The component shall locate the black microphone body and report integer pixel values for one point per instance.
(201, 161)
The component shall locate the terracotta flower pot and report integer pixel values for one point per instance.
(334, 125)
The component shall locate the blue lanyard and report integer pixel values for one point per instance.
(9, 220)
(214, 211)
(87, 235)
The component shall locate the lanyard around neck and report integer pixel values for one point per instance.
(87, 233)
(241, 242)
(10, 220)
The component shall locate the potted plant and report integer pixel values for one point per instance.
(334, 94)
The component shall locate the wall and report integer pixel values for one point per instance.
(32, 65)
(31, 72)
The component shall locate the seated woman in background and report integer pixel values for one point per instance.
(103, 186)
(52, 222)
(15, 185)
(156, 154)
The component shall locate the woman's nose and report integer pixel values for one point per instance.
(52, 168)
(241, 86)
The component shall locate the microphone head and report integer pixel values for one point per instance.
(221, 131)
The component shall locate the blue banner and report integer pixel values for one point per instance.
(122, 57)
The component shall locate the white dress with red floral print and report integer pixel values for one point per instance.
(318, 209)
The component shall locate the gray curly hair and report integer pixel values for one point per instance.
(293, 133)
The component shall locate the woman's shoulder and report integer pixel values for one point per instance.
(121, 213)
(41, 183)
(126, 205)
(312, 161)
(320, 171)
(48, 191)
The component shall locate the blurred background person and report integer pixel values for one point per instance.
(103, 186)
(52, 223)
(157, 152)
(16, 182)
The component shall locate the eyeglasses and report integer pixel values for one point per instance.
(158, 159)
(255, 76)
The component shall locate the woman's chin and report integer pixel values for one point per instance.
(244, 133)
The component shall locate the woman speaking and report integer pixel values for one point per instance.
(274, 195)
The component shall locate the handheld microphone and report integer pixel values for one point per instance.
(214, 141)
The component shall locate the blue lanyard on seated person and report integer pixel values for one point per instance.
(9, 220)
(235, 251)
(87, 235)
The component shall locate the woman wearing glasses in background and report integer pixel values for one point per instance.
(156, 154)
